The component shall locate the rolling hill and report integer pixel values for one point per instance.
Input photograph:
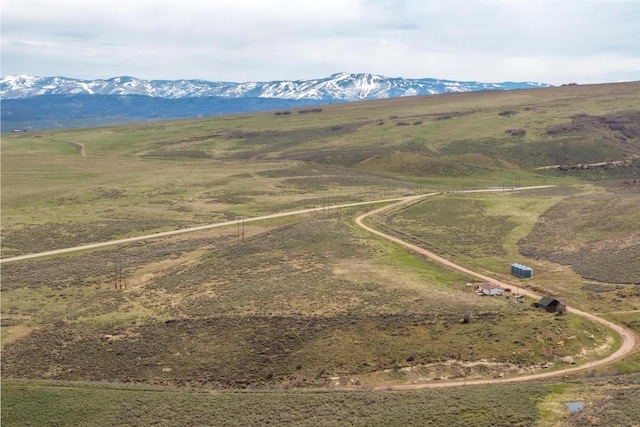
(294, 305)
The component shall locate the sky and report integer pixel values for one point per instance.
(548, 41)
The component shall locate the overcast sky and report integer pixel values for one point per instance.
(551, 41)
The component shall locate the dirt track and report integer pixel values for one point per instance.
(80, 147)
(629, 339)
(194, 229)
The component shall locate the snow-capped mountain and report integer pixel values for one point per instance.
(343, 87)
(32, 103)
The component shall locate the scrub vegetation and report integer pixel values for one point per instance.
(296, 320)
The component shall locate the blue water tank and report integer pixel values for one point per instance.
(520, 270)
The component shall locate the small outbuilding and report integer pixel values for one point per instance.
(547, 303)
(490, 289)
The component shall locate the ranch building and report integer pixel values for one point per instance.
(490, 289)
(547, 303)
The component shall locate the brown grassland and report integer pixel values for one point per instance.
(295, 320)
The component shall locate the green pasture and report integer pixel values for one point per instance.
(88, 405)
(611, 400)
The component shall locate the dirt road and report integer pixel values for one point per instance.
(227, 224)
(629, 339)
(193, 229)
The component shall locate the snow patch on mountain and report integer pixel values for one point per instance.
(337, 87)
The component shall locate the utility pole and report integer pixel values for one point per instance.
(117, 274)
(124, 272)
(120, 273)
(240, 229)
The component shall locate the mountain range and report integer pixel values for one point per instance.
(30, 102)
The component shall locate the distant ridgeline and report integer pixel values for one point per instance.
(32, 103)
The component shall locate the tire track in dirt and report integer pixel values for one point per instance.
(80, 147)
(628, 337)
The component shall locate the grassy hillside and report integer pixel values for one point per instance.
(607, 400)
(606, 230)
(130, 407)
(306, 304)
(313, 301)
(148, 177)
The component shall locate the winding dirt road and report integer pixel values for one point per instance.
(629, 339)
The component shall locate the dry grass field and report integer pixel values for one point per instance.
(295, 320)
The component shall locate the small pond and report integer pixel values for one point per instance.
(574, 406)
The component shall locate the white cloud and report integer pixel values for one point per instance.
(243, 40)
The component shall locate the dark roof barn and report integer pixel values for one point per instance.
(548, 303)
